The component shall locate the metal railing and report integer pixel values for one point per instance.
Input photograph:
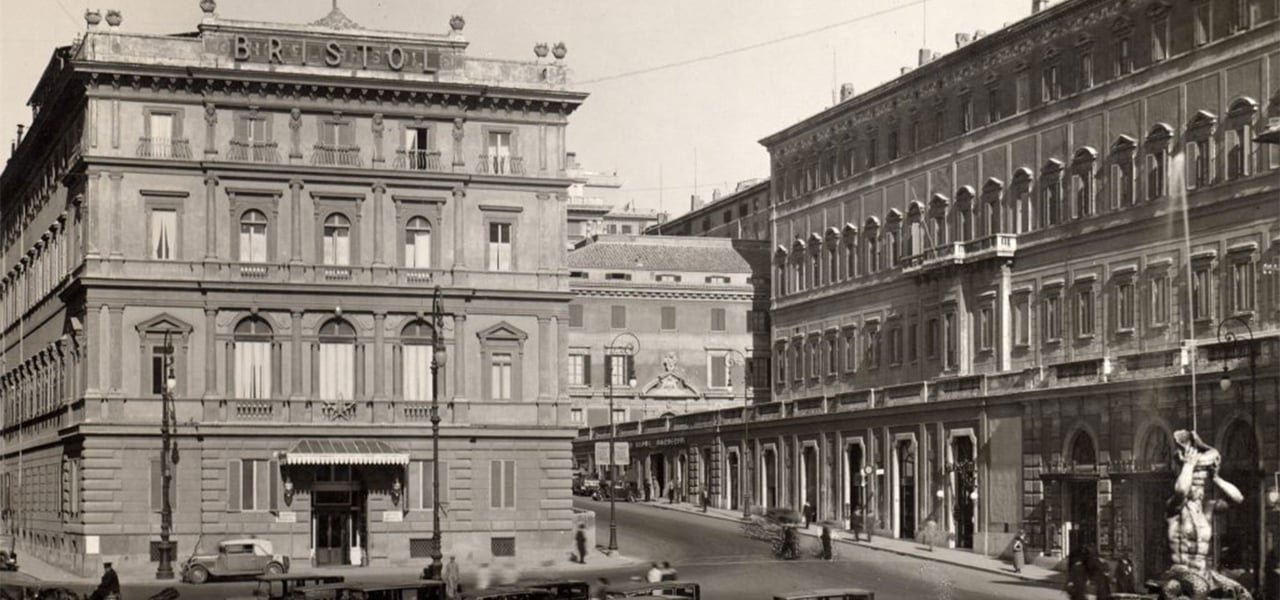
(332, 155)
(263, 152)
(417, 160)
(177, 148)
(497, 164)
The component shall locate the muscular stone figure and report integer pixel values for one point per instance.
(1190, 519)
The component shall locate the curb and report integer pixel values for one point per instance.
(872, 547)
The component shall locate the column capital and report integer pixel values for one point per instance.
(459, 191)
(295, 183)
(212, 179)
(379, 186)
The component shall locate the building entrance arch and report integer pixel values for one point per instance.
(769, 477)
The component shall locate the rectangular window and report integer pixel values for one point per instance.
(421, 488)
(895, 346)
(850, 354)
(337, 371)
(1238, 151)
(1159, 39)
(618, 317)
(1122, 182)
(500, 246)
(502, 484)
(757, 321)
(1160, 299)
(575, 315)
(993, 105)
(1084, 312)
(580, 369)
(916, 142)
(160, 135)
(1124, 306)
(618, 370)
(939, 126)
(966, 113)
(717, 371)
(253, 370)
(1050, 89)
(932, 337)
(987, 331)
(619, 415)
(717, 319)
(1201, 293)
(1124, 56)
(252, 485)
(1086, 70)
(164, 234)
(1082, 187)
(1199, 163)
(1203, 14)
(668, 278)
(669, 318)
(950, 330)
(159, 376)
(499, 157)
(913, 331)
(1156, 174)
(576, 416)
(833, 356)
(500, 376)
(1022, 320)
(1022, 92)
(418, 155)
(759, 372)
(1052, 318)
(871, 152)
(1242, 286)
(893, 142)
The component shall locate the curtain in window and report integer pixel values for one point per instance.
(164, 229)
(417, 244)
(417, 372)
(500, 372)
(337, 240)
(253, 237)
(337, 371)
(253, 370)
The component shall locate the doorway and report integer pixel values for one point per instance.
(809, 478)
(856, 481)
(965, 486)
(769, 476)
(905, 453)
(339, 525)
(658, 475)
(731, 489)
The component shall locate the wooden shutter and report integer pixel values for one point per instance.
(509, 483)
(347, 133)
(608, 370)
(586, 369)
(233, 484)
(495, 484)
(242, 127)
(273, 472)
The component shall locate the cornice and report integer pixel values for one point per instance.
(680, 294)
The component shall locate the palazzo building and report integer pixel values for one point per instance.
(1002, 281)
(742, 215)
(269, 208)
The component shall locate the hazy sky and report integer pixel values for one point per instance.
(637, 125)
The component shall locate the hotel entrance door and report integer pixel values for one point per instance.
(332, 533)
(339, 527)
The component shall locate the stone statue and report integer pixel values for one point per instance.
(1190, 518)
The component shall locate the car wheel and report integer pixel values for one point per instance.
(275, 569)
(198, 575)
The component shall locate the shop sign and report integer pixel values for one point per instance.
(392, 516)
(621, 454)
(661, 442)
(287, 516)
(333, 53)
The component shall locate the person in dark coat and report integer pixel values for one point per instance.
(826, 542)
(109, 587)
(580, 537)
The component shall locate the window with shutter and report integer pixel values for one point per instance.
(234, 481)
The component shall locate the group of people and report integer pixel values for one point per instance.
(660, 573)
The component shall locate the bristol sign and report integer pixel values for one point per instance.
(379, 56)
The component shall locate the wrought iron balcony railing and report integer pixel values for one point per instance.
(177, 148)
(417, 160)
(331, 155)
(497, 164)
(263, 152)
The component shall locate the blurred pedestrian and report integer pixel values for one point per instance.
(826, 542)
(668, 572)
(580, 538)
(452, 578)
(654, 575)
(808, 514)
(1019, 553)
(705, 500)
(483, 576)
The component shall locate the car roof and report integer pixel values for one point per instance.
(405, 585)
(822, 592)
(631, 586)
(502, 590)
(299, 577)
(255, 541)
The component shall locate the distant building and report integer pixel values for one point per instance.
(277, 202)
(595, 206)
(742, 215)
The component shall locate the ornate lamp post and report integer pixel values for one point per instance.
(168, 458)
(437, 361)
(629, 350)
(1231, 338)
(744, 489)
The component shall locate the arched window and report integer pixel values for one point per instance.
(1155, 450)
(417, 341)
(1023, 206)
(417, 243)
(337, 240)
(1082, 452)
(253, 364)
(1240, 117)
(253, 236)
(871, 238)
(337, 360)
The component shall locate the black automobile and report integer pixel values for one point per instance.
(8, 553)
(621, 490)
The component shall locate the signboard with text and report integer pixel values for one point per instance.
(621, 454)
(378, 56)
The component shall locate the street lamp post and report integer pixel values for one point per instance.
(168, 457)
(745, 487)
(1231, 338)
(437, 361)
(630, 351)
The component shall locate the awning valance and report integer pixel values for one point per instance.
(343, 452)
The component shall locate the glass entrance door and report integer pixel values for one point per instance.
(332, 533)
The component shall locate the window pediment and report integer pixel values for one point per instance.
(1122, 25)
(1242, 107)
(915, 210)
(1160, 133)
(894, 217)
(1022, 176)
(502, 332)
(1123, 144)
(1203, 123)
(164, 322)
(965, 194)
(992, 186)
(1084, 154)
(1051, 166)
(872, 223)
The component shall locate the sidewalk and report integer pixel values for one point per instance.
(32, 567)
(959, 558)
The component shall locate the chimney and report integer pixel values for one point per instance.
(19, 141)
(904, 70)
(963, 39)
(926, 55)
(1038, 5)
(571, 160)
(846, 91)
(715, 194)
(695, 202)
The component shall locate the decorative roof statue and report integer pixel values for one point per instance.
(336, 19)
(1189, 515)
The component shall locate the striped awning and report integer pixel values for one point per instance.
(343, 452)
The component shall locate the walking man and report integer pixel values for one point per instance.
(452, 578)
(581, 539)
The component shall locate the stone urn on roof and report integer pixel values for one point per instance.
(456, 23)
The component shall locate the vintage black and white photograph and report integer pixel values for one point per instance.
(604, 300)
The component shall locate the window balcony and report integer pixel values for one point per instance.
(493, 164)
(417, 160)
(935, 258)
(330, 155)
(249, 151)
(172, 148)
(1000, 245)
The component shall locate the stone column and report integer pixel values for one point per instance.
(115, 211)
(210, 354)
(93, 214)
(546, 348)
(459, 241)
(295, 355)
(211, 218)
(96, 350)
(379, 356)
(461, 387)
(231, 370)
(295, 221)
(379, 189)
(116, 333)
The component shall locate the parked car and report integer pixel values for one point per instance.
(622, 490)
(683, 590)
(8, 553)
(585, 485)
(238, 557)
(277, 587)
(429, 589)
(564, 590)
(829, 594)
(508, 593)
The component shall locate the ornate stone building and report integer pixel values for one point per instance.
(1003, 279)
(742, 215)
(268, 208)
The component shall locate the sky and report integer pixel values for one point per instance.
(745, 68)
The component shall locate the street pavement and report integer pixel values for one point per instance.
(729, 566)
(713, 552)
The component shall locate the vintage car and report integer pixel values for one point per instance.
(509, 593)
(684, 590)
(239, 557)
(278, 587)
(570, 589)
(430, 589)
(8, 553)
(829, 594)
(585, 485)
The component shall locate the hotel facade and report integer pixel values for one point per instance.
(271, 209)
(1003, 280)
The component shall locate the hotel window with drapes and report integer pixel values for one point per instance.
(337, 360)
(418, 341)
(253, 359)
(417, 243)
(337, 240)
(253, 236)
